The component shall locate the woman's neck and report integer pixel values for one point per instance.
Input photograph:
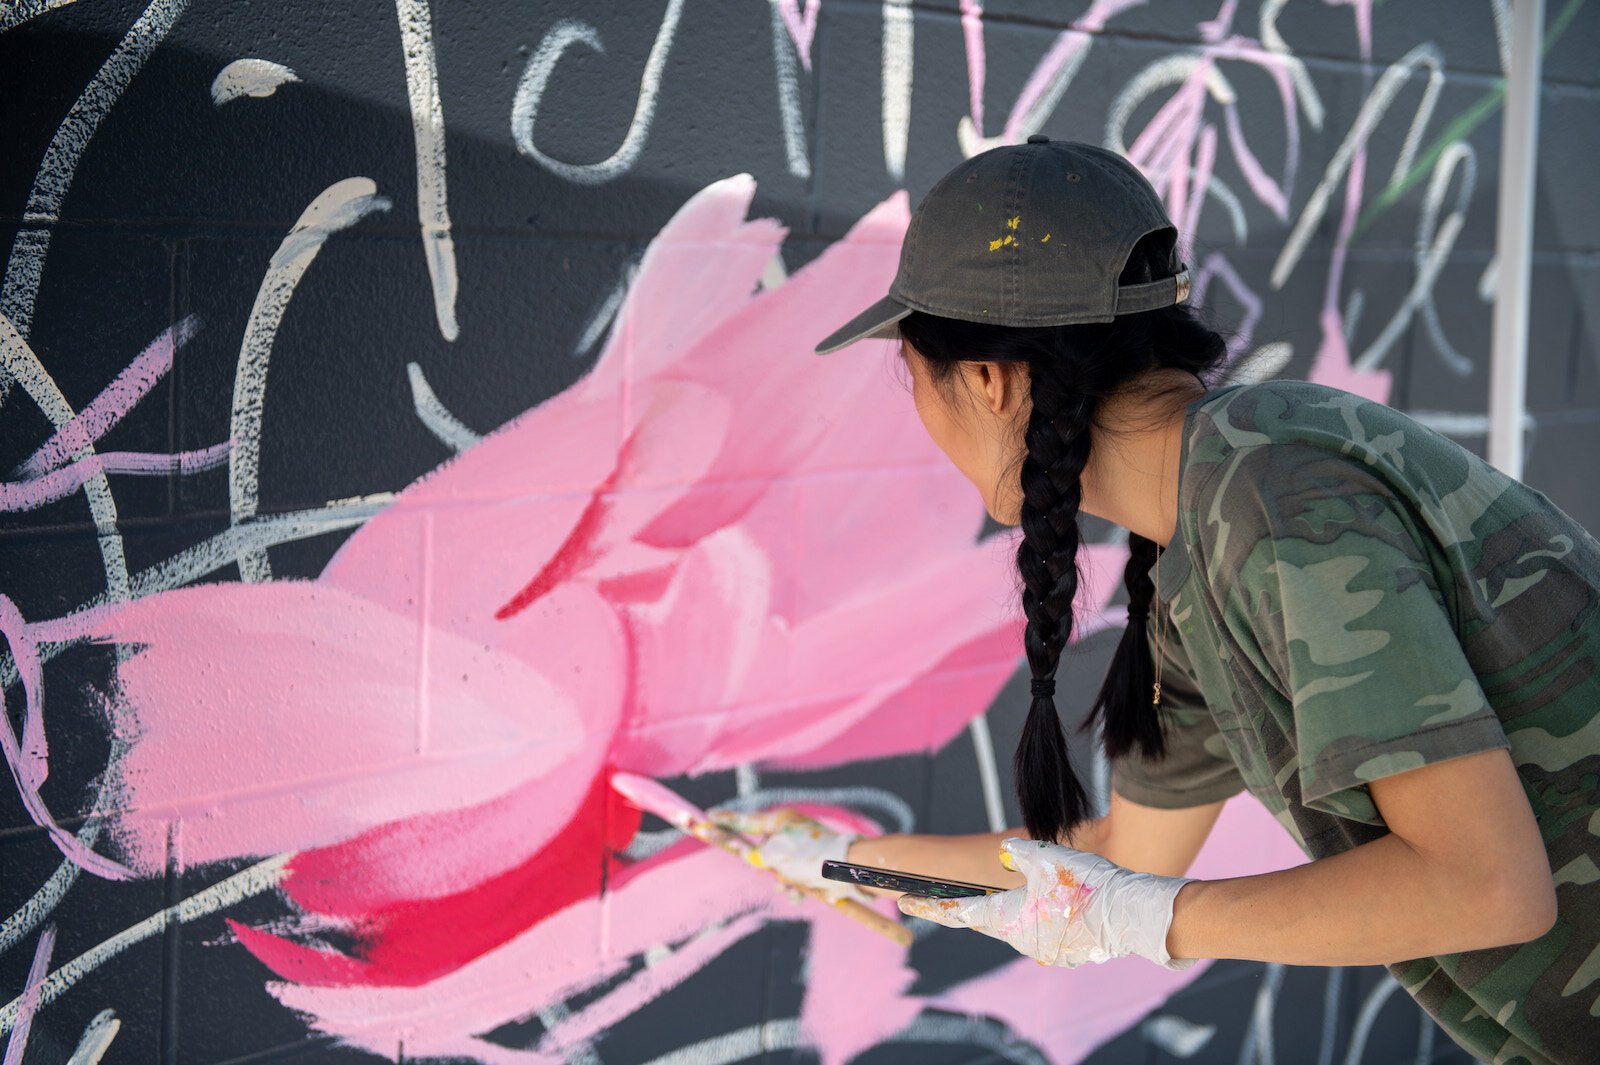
(1132, 475)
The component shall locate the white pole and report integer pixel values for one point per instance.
(1519, 140)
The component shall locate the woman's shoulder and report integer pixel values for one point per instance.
(1319, 421)
(1290, 411)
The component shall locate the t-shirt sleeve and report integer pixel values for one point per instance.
(1337, 593)
(1196, 768)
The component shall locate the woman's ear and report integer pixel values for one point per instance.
(999, 386)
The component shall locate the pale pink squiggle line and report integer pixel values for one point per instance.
(60, 483)
(29, 1000)
(1273, 194)
(1215, 29)
(801, 28)
(1206, 152)
(1217, 265)
(1062, 54)
(28, 761)
(1065, 50)
(114, 401)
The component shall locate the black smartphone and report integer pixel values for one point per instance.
(910, 883)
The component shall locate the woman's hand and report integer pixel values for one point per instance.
(793, 845)
(1076, 907)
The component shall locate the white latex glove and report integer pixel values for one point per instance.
(1077, 907)
(793, 845)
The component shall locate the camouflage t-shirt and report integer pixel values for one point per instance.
(1352, 595)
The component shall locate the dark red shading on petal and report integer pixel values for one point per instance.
(410, 943)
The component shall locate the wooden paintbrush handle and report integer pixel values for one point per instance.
(860, 911)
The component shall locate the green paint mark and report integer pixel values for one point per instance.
(1460, 128)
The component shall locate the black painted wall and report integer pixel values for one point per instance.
(133, 203)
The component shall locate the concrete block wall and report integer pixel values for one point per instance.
(407, 420)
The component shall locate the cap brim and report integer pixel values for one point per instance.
(877, 322)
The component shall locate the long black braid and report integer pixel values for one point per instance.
(1071, 369)
(1057, 440)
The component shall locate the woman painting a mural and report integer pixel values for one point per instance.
(1388, 642)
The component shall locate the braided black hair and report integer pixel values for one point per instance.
(1071, 369)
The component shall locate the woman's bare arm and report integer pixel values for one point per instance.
(1463, 868)
(1142, 838)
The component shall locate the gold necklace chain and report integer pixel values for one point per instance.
(1161, 629)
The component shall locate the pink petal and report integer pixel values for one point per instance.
(856, 985)
(287, 715)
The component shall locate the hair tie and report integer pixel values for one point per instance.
(1137, 612)
(1045, 686)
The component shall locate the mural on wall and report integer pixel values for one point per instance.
(315, 680)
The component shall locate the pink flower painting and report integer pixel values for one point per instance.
(716, 550)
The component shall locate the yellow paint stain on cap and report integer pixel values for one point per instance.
(994, 245)
(1045, 239)
(1013, 223)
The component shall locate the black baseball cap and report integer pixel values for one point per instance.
(1026, 234)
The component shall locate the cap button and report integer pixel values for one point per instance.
(1038, 138)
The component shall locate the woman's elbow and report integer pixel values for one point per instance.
(1525, 906)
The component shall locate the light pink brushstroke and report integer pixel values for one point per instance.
(856, 988)
(1064, 51)
(17, 1044)
(802, 28)
(114, 401)
(63, 481)
(28, 759)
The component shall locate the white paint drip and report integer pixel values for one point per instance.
(891, 807)
(450, 430)
(774, 273)
(263, 876)
(899, 48)
(1262, 364)
(1330, 1014)
(1258, 1048)
(530, 90)
(737, 1045)
(339, 206)
(96, 1039)
(427, 130)
(596, 326)
(20, 11)
(1429, 254)
(988, 772)
(60, 163)
(259, 78)
(746, 782)
(1179, 1037)
(1383, 94)
(794, 131)
(1368, 1016)
(18, 362)
(1305, 90)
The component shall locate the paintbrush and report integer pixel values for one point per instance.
(655, 798)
